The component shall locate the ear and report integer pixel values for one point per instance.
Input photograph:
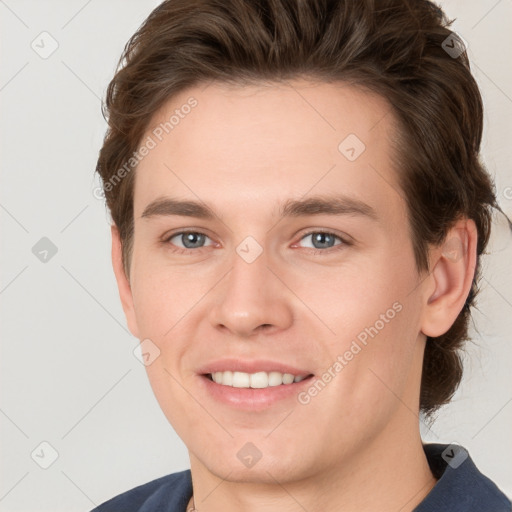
(449, 282)
(125, 292)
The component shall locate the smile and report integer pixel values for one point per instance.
(259, 380)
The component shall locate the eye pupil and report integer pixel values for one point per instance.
(189, 237)
(321, 239)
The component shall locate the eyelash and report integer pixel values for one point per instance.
(329, 250)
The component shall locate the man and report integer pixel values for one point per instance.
(298, 213)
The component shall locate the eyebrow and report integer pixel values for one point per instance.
(317, 205)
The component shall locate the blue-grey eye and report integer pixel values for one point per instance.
(322, 240)
(190, 239)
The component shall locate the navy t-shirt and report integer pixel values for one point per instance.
(460, 488)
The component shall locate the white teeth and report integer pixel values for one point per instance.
(240, 380)
(275, 379)
(288, 378)
(257, 380)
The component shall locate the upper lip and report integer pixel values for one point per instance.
(251, 366)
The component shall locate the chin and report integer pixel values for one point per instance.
(242, 461)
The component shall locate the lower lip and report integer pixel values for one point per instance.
(253, 399)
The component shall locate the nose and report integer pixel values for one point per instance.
(252, 298)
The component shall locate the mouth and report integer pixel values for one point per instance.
(252, 385)
(258, 380)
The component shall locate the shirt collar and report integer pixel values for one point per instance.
(461, 487)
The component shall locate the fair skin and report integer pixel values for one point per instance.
(244, 151)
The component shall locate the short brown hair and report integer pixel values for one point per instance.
(398, 49)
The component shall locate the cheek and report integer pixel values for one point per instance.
(355, 298)
(373, 321)
(374, 380)
(151, 310)
(162, 296)
(383, 362)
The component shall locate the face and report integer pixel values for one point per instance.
(297, 259)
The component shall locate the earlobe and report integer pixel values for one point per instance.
(451, 277)
(125, 292)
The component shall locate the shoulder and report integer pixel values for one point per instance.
(460, 486)
(167, 493)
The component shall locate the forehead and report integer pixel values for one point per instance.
(263, 144)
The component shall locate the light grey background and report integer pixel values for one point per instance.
(68, 373)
